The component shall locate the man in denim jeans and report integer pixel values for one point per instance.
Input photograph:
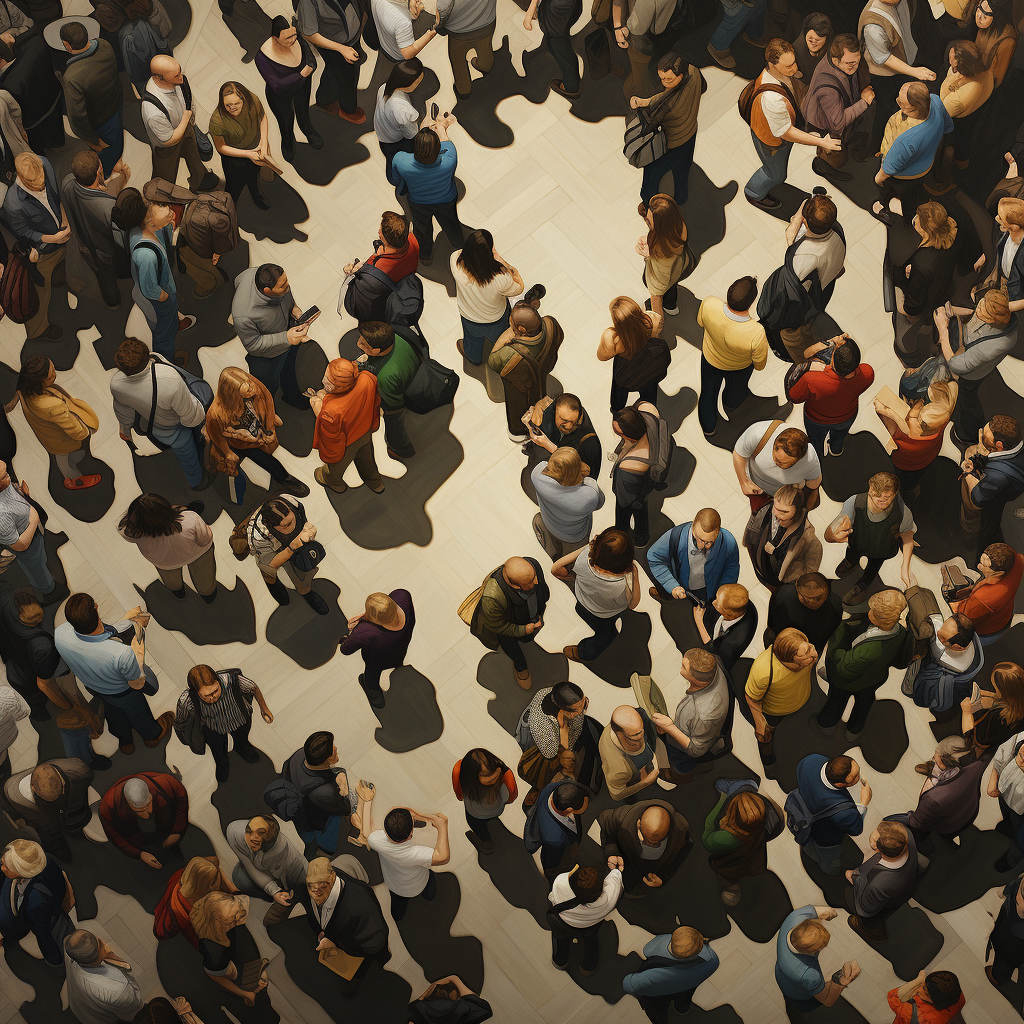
(736, 16)
(174, 409)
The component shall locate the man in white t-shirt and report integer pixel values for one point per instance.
(774, 124)
(769, 455)
(394, 19)
(405, 866)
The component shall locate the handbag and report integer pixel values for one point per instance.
(469, 606)
(433, 385)
(643, 143)
(309, 556)
(203, 142)
(252, 973)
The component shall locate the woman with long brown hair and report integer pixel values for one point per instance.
(994, 712)
(996, 34)
(241, 134)
(736, 834)
(199, 877)
(241, 424)
(486, 786)
(667, 258)
(634, 333)
(967, 86)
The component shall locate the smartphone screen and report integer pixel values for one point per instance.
(309, 316)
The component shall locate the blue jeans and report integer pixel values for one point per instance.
(474, 335)
(678, 760)
(128, 711)
(277, 372)
(325, 839)
(182, 442)
(112, 133)
(835, 432)
(773, 170)
(33, 564)
(605, 631)
(679, 161)
(735, 17)
(991, 638)
(711, 380)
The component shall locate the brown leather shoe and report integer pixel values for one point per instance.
(358, 116)
(655, 593)
(166, 723)
(925, 768)
(524, 679)
(126, 748)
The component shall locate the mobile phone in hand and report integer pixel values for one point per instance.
(309, 316)
(434, 108)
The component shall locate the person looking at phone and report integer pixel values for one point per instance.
(563, 423)
(267, 321)
(406, 867)
(989, 605)
(268, 867)
(112, 669)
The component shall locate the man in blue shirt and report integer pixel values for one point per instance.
(911, 152)
(559, 807)
(825, 786)
(112, 670)
(674, 966)
(429, 174)
(797, 971)
(694, 560)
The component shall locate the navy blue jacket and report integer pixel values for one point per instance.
(1002, 479)
(28, 218)
(555, 837)
(818, 797)
(41, 912)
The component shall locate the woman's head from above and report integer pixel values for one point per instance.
(935, 226)
(151, 515)
(631, 324)
(567, 698)
(279, 515)
(340, 376)
(284, 30)
(132, 211)
(630, 424)
(565, 466)
(612, 551)
(234, 98)
(37, 374)
(381, 609)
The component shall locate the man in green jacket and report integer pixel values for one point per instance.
(394, 362)
(511, 610)
(93, 94)
(860, 654)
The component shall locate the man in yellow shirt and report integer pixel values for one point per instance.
(734, 345)
(779, 684)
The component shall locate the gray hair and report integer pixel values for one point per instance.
(949, 750)
(136, 792)
(83, 947)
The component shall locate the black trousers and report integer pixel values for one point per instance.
(289, 109)
(835, 705)
(423, 216)
(656, 1007)
(561, 944)
(567, 61)
(512, 646)
(479, 826)
(620, 395)
(870, 571)
(887, 88)
(338, 81)
(638, 517)
(968, 415)
(240, 173)
(218, 744)
(400, 904)
(264, 460)
(106, 277)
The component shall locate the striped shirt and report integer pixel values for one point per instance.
(225, 714)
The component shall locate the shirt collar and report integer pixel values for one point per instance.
(740, 319)
(823, 779)
(95, 638)
(1008, 453)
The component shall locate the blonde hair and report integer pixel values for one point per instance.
(565, 466)
(1008, 679)
(320, 870)
(809, 937)
(200, 877)
(631, 324)
(29, 166)
(1012, 209)
(209, 917)
(937, 413)
(936, 225)
(381, 609)
(787, 643)
(733, 595)
(888, 606)
(686, 942)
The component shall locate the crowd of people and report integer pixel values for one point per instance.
(928, 95)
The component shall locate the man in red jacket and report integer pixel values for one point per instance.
(148, 809)
(831, 394)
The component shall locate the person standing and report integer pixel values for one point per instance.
(396, 254)
(382, 634)
(568, 497)
(287, 65)
(937, 995)
(644, 841)
(734, 345)
(675, 965)
(737, 15)
(26, 73)
(987, 487)
(169, 115)
(334, 28)
(101, 986)
(395, 120)
(798, 974)
(21, 533)
(627, 749)
(989, 604)
(241, 134)
(13, 708)
(556, 19)
(88, 196)
(776, 124)
(780, 539)
(113, 671)
(406, 867)
(769, 456)
(32, 900)
(824, 787)
(394, 362)
(429, 176)
(92, 94)
(582, 898)
(154, 797)
(324, 797)
(640, 359)
(485, 785)
(1008, 271)
(32, 210)
(347, 412)
(150, 231)
(394, 23)
(884, 882)
(218, 704)
(469, 25)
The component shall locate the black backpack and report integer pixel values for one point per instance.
(405, 303)
(799, 818)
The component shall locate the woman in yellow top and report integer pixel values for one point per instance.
(779, 684)
(734, 346)
(62, 424)
(666, 257)
(966, 88)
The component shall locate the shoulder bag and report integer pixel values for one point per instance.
(643, 142)
(433, 385)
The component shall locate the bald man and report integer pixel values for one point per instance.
(627, 753)
(511, 610)
(644, 841)
(168, 115)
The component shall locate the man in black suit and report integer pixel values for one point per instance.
(643, 840)
(732, 633)
(57, 800)
(884, 882)
(807, 604)
(32, 899)
(28, 76)
(345, 913)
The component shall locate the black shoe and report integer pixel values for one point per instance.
(845, 567)
(826, 170)
(221, 774)
(641, 540)
(39, 714)
(482, 845)
(958, 440)
(316, 602)
(376, 699)
(100, 763)
(249, 754)
(260, 201)
(288, 152)
(209, 598)
(52, 333)
(769, 203)
(315, 141)
(535, 293)
(278, 591)
(56, 595)
(209, 183)
(290, 485)
(179, 594)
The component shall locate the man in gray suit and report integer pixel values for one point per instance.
(88, 198)
(884, 882)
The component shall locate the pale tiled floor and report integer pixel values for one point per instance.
(561, 204)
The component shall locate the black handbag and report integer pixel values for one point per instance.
(309, 556)
(433, 385)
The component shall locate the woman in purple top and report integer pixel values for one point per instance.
(382, 633)
(286, 62)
